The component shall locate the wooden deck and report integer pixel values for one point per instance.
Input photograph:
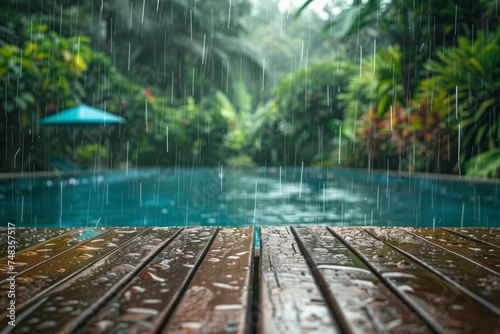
(214, 280)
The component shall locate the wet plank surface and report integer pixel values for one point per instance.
(149, 298)
(483, 254)
(443, 305)
(305, 279)
(490, 236)
(71, 303)
(218, 298)
(457, 270)
(38, 236)
(359, 297)
(290, 300)
(20, 232)
(44, 247)
(35, 282)
(28, 237)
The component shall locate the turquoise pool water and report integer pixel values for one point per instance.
(262, 196)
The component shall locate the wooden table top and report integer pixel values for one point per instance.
(301, 279)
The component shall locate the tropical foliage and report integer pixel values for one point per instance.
(464, 84)
(39, 76)
(428, 99)
(407, 85)
(48, 65)
(308, 110)
(183, 47)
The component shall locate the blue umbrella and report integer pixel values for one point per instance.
(82, 114)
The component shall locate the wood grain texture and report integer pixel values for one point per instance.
(39, 280)
(443, 305)
(359, 298)
(480, 253)
(290, 299)
(45, 249)
(20, 233)
(461, 272)
(489, 236)
(29, 237)
(63, 309)
(306, 279)
(150, 297)
(218, 298)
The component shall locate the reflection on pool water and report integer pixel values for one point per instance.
(263, 196)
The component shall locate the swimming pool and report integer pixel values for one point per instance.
(260, 196)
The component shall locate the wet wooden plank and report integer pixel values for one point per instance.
(32, 238)
(35, 282)
(480, 253)
(311, 279)
(470, 277)
(490, 236)
(290, 300)
(360, 299)
(150, 297)
(46, 251)
(64, 308)
(218, 298)
(20, 232)
(442, 304)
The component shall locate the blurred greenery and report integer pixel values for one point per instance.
(88, 155)
(405, 85)
(306, 102)
(427, 94)
(465, 89)
(42, 73)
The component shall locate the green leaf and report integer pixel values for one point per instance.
(301, 9)
(226, 108)
(343, 22)
(477, 66)
(335, 124)
(417, 124)
(28, 97)
(480, 134)
(486, 104)
(21, 103)
(485, 164)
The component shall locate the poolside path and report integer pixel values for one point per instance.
(300, 279)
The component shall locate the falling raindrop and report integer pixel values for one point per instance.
(229, 15)
(255, 205)
(146, 114)
(462, 217)
(263, 72)
(129, 48)
(301, 175)
(459, 140)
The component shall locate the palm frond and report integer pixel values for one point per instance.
(302, 8)
(236, 46)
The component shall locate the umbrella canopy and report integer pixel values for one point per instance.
(82, 114)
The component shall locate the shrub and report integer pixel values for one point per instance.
(306, 102)
(464, 85)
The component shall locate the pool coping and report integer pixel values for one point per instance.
(379, 172)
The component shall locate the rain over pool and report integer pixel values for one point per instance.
(249, 112)
(249, 197)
